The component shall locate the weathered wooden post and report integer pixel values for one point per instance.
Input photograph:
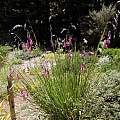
(11, 97)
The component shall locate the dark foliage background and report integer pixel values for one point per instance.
(37, 13)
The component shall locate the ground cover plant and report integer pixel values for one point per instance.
(3, 51)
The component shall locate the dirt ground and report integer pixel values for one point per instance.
(25, 109)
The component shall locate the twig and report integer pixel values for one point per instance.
(11, 99)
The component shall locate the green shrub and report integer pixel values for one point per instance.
(104, 102)
(112, 52)
(16, 61)
(114, 64)
(3, 81)
(36, 52)
(102, 17)
(62, 92)
(25, 55)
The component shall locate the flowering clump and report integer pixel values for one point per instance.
(46, 66)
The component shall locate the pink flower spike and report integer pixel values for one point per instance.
(68, 43)
(45, 73)
(24, 94)
(29, 43)
(82, 67)
(106, 43)
(64, 45)
(69, 54)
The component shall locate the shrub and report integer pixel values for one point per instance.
(36, 52)
(25, 55)
(102, 17)
(112, 52)
(105, 97)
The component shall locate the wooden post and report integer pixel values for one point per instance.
(11, 99)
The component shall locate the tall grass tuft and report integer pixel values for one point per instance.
(61, 92)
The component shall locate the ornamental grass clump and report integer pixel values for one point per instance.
(61, 92)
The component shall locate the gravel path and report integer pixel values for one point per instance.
(25, 110)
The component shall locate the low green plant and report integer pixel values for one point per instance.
(62, 91)
(104, 102)
(22, 55)
(16, 61)
(3, 51)
(112, 52)
(25, 55)
(114, 55)
(36, 52)
(3, 81)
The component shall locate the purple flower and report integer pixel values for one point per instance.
(24, 94)
(29, 44)
(83, 53)
(45, 73)
(66, 44)
(106, 43)
(82, 67)
(46, 65)
(69, 55)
